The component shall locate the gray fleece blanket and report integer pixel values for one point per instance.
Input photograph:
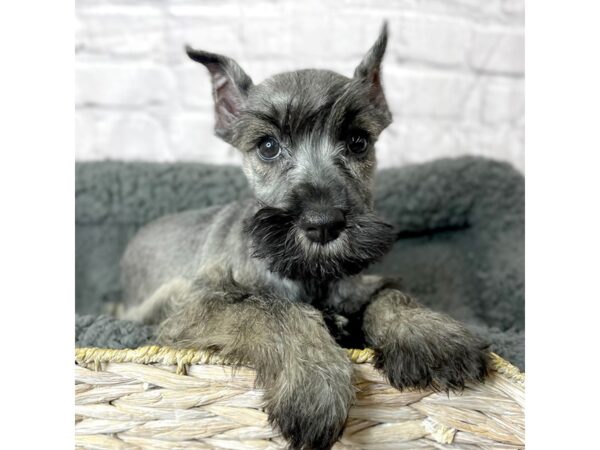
(460, 245)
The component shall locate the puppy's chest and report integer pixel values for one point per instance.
(315, 293)
(342, 313)
(346, 328)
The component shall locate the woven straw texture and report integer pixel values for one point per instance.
(162, 398)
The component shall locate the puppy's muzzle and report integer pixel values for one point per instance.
(322, 224)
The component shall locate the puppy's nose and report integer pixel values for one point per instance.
(323, 225)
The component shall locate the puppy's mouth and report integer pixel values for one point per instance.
(323, 248)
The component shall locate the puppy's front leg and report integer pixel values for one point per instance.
(307, 377)
(417, 347)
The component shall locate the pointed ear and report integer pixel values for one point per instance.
(369, 70)
(230, 86)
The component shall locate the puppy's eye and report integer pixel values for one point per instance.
(268, 149)
(357, 142)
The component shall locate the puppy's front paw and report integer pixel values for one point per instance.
(432, 350)
(312, 413)
(309, 429)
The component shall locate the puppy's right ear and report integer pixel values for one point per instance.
(369, 71)
(230, 86)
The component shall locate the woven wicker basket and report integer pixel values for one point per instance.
(162, 398)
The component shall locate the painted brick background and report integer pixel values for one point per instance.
(453, 72)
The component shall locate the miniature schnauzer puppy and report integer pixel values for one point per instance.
(274, 282)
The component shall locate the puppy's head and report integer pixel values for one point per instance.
(307, 139)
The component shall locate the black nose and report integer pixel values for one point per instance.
(323, 225)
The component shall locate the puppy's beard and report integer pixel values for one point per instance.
(276, 239)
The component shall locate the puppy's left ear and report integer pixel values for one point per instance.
(369, 70)
(230, 88)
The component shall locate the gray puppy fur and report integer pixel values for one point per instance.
(275, 281)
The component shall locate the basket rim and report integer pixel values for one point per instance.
(183, 357)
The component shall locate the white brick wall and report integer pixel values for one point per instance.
(454, 71)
